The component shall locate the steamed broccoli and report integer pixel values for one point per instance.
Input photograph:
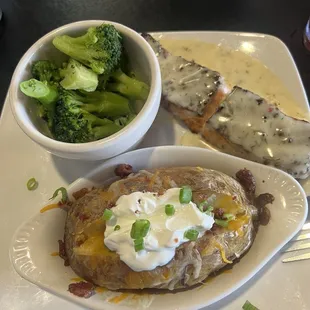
(100, 48)
(74, 124)
(128, 86)
(45, 93)
(77, 76)
(45, 71)
(124, 120)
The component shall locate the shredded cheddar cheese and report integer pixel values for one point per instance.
(49, 207)
(119, 298)
(101, 289)
(78, 279)
(222, 251)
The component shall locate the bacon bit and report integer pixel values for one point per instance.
(62, 252)
(234, 197)
(81, 193)
(82, 289)
(123, 170)
(55, 254)
(270, 109)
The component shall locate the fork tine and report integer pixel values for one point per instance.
(302, 236)
(296, 247)
(306, 226)
(296, 258)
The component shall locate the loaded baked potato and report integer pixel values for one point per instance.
(194, 260)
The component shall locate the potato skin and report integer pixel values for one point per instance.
(193, 261)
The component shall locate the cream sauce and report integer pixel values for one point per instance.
(184, 82)
(265, 132)
(238, 68)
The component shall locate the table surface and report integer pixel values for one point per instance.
(25, 21)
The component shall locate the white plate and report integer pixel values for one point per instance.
(37, 238)
(276, 286)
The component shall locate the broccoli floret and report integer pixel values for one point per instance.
(45, 93)
(73, 124)
(45, 71)
(100, 48)
(124, 120)
(77, 76)
(102, 104)
(128, 86)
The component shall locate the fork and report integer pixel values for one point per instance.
(297, 246)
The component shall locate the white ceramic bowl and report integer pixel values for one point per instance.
(143, 61)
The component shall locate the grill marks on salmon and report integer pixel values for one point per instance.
(237, 122)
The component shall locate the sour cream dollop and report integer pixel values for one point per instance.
(166, 232)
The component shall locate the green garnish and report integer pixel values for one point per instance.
(117, 227)
(229, 216)
(139, 229)
(139, 244)
(249, 306)
(209, 211)
(205, 206)
(185, 195)
(191, 234)
(107, 214)
(169, 210)
(63, 193)
(222, 223)
(32, 184)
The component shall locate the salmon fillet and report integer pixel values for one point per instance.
(190, 91)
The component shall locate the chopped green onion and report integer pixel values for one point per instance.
(223, 223)
(249, 306)
(139, 229)
(63, 193)
(107, 214)
(117, 227)
(169, 210)
(185, 195)
(209, 213)
(229, 216)
(32, 184)
(139, 244)
(191, 234)
(204, 204)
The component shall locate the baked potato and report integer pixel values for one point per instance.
(194, 261)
